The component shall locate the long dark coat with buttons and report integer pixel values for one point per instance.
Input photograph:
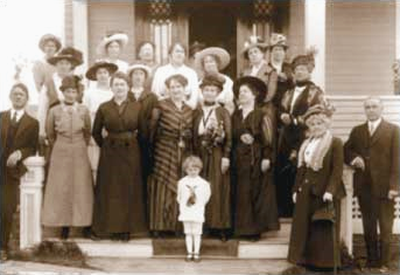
(311, 243)
(119, 203)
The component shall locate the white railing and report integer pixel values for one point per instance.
(31, 202)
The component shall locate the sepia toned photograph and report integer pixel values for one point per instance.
(200, 137)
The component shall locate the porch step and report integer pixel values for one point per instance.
(273, 245)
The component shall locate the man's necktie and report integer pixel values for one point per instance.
(14, 119)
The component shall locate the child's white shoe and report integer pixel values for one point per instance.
(189, 257)
(196, 258)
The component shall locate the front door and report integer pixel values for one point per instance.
(215, 24)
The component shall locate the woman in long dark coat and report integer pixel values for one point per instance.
(139, 75)
(171, 133)
(294, 105)
(253, 151)
(318, 183)
(213, 141)
(119, 205)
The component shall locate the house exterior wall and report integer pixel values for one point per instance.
(360, 47)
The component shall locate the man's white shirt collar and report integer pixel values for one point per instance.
(20, 113)
(374, 124)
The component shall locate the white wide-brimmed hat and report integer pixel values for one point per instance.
(140, 66)
(120, 37)
(220, 53)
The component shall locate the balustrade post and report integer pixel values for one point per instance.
(346, 223)
(31, 202)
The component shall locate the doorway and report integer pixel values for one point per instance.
(214, 24)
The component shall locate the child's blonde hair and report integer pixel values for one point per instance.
(192, 161)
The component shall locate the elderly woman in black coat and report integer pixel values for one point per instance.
(317, 190)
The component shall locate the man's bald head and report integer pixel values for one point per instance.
(373, 107)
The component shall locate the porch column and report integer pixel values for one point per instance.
(397, 29)
(80, 28)
(31, 202)
(315, 35)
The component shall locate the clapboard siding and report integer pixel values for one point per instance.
(350, 112)
(360, 47)
(108, 16)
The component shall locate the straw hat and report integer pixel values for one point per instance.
(120, 37)
(140, 66)
(221, 54)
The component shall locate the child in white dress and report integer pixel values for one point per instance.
(193, 194)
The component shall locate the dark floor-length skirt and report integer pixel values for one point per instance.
(311, 243)
(285, 176)
(119, 204)
(255, 209)
(218, 209)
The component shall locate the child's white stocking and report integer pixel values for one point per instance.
(189, 243)
(197, 244)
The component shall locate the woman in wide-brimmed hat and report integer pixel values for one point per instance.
(176, 65)
(68, 198)
(140, 92)
(110, 49)
(294, 105)
(212, 142)
(254, 52)
(50, 95)
(280, 77)
(211, 61)
(97, 94)
(49, 44)
(253, 149)
(318, 186)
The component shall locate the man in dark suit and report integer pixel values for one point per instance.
(19, 138)
(373, 150)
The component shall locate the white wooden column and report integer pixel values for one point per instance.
(397, 29)
(80, 27)
(31, 202)
(315, 35)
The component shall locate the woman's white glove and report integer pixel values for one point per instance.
(327, 197)
(294, 197)
(265, 165)
(224, 165)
